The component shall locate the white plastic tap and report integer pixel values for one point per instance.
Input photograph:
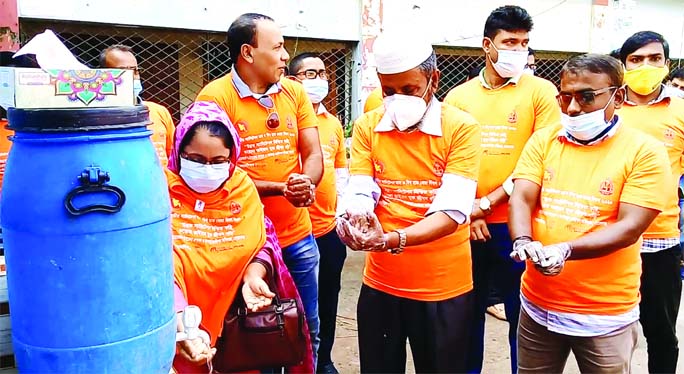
(191, 317)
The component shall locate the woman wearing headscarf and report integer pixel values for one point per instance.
(222, 242)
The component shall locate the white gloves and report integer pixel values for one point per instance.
(554, 258)
(361, 231)
(549, 260)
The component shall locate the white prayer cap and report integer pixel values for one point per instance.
(398, 52)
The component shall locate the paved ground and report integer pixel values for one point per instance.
(345, 352)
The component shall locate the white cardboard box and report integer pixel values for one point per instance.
(31, 88)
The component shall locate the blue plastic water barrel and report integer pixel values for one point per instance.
(86, 220)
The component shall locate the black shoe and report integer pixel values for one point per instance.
(328, 368)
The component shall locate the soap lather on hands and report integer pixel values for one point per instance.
(361, 231)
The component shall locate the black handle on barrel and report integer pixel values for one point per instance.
(93, 180)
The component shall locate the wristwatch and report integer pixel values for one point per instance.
(402, 242)
(485, 205)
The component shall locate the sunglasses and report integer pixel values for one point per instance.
(583, 98)
(273, 120)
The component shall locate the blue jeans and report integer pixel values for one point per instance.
(302, 260)
(333, 253)
(681, 212)
(492, 266)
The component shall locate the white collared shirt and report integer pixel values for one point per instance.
(563, 135)
(665, 94)
(454, 197)
(431, 123)
(243, 89)
(575, 324)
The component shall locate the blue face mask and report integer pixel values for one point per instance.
(137, 87)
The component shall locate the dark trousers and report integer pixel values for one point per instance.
(437, 331)
(333, 253)
(493, 267)
(661, 290)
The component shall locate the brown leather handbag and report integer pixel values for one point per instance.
(270, 338)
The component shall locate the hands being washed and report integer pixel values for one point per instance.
(549, 260)
(361, 231)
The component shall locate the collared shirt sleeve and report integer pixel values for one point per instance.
(455, 197)
(362, 192)
(341, 181)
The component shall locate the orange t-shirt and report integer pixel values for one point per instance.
(576, 200)
(270, 155)
(5, 145)
(374, 100)
(408, 168)
(507, 116)
(665, 122)
(322, 212)
(162, 131)
(215, 237)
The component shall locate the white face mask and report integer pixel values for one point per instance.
(586, 126)
(317, 89)
(406, 110)
(137, 87)
(676, 92)
(203, 178)
(510, 63)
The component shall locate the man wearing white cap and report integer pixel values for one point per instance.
(414, 164)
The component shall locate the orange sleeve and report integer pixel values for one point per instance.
(464, 151)
(219, 91)
(531, 162)
(546, 109)
(170, 130)
(649, 177)
(361, 156)
(341, 154)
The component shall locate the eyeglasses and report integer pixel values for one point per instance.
(531, 66)
(273, 120)
(583, 98)
(136, 70)
(204, 161)
(313, 73)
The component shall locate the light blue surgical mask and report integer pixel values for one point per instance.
(137, 87)
(587, 126)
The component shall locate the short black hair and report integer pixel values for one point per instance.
(214, 128)
(429, 65)
(509, 18)
(115, 47)
(296, 62)
(615, 53)
(597, 64)
(243, 31)
(677, 73)
(530, 51)
(641, 39)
